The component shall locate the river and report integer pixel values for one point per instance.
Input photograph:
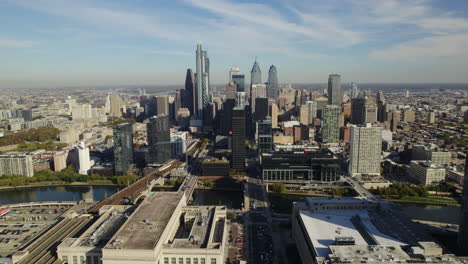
(281, 203)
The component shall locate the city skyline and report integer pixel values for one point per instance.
(53, 43)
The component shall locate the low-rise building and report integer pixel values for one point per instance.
(425, 172)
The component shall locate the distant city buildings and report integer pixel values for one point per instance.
(115, 105)
(354, 90)
(463, 231)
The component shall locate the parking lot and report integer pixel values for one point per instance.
(23, 224)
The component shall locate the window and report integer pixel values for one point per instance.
(82, 261)
(187, 261)
(213, 261)
(173, 261)
(64, 259)
(88, 260)
(166, 260)
(75, 260)
(96, 260)
(202, 261)
(195, 261)
(181, 260)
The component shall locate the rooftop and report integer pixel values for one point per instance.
(144, 228)
(323, 227)
(335, 200)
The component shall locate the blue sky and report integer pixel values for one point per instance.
(61, 43)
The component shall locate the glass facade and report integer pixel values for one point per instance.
(264, 136)
(123, 147)
(158, 139)
(239, 79)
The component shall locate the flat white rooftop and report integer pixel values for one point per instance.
(324, 226)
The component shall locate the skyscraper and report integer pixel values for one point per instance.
(358, 110)
(354, 90)
(177, 103)
(264, 136)
(274, 115)
(158, 139)
(365, 152)
(231, 90)
(272, 86)
(240, 100)
(255, 74)
(123, 147)
(380, 97)
(330, 129)
(334, 89)
(202, 85)
(238, 139)
(162, 105)
(257, 90)
(238, 78)
(190, 92)
(308, 112)
(115, 105)
(261, 108)
(463, 232)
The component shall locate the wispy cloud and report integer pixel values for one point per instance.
(15, 43)
(171, 52)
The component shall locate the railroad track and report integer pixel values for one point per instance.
(43, 250)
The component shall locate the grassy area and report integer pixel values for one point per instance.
(428, 200)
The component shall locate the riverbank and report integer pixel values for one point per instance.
(59, 184)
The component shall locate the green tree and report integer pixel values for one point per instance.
(279, 187)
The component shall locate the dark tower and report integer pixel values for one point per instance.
(238, 139)
(158, 139)
(189, 99)
(123, 147)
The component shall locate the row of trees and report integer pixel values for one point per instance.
(34, 134)
(401, 190)
(67, 175)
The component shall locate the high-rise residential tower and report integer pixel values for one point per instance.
(162, 105)
(202, 84)
(365, 150)
(463, 232)
(158, 139)
(115, 105)
(255, 74)
(272, 85)
(256, 91)
(238, 139)
(123, 147)
(334, 89)
(330, 129)
(189, 100)
(308, 112)
(264, 136)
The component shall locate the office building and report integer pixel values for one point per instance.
(431, 117)
(255, 74)
(264, 136)
(425, 172)
(202, 84)
(380, 97)
(358, 110)
(189, 98)
(307, 113)
(231, 90)
(334, 89)
(354, 90)
(272, 85)
(365, 150)
(330, 129)
(162, 105)
(20, 164)
(158, 139)
(216, 167)
(408, 115)
(257, 90)
(123, 148)
(463, 231)
(177, 103)
(115, 105)
(274, 115)
(261, 108)
(240, 99)
(238, 78)
(300, 166)
(178, 143)
(27, 114)
(238, 139)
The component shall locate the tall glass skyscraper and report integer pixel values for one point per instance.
(236, 76)
(159, 137)
(202, 84)
(272, 86)
(334, 89)
(189, 100)
(255, 74)
(354, 90)
(123, 147)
